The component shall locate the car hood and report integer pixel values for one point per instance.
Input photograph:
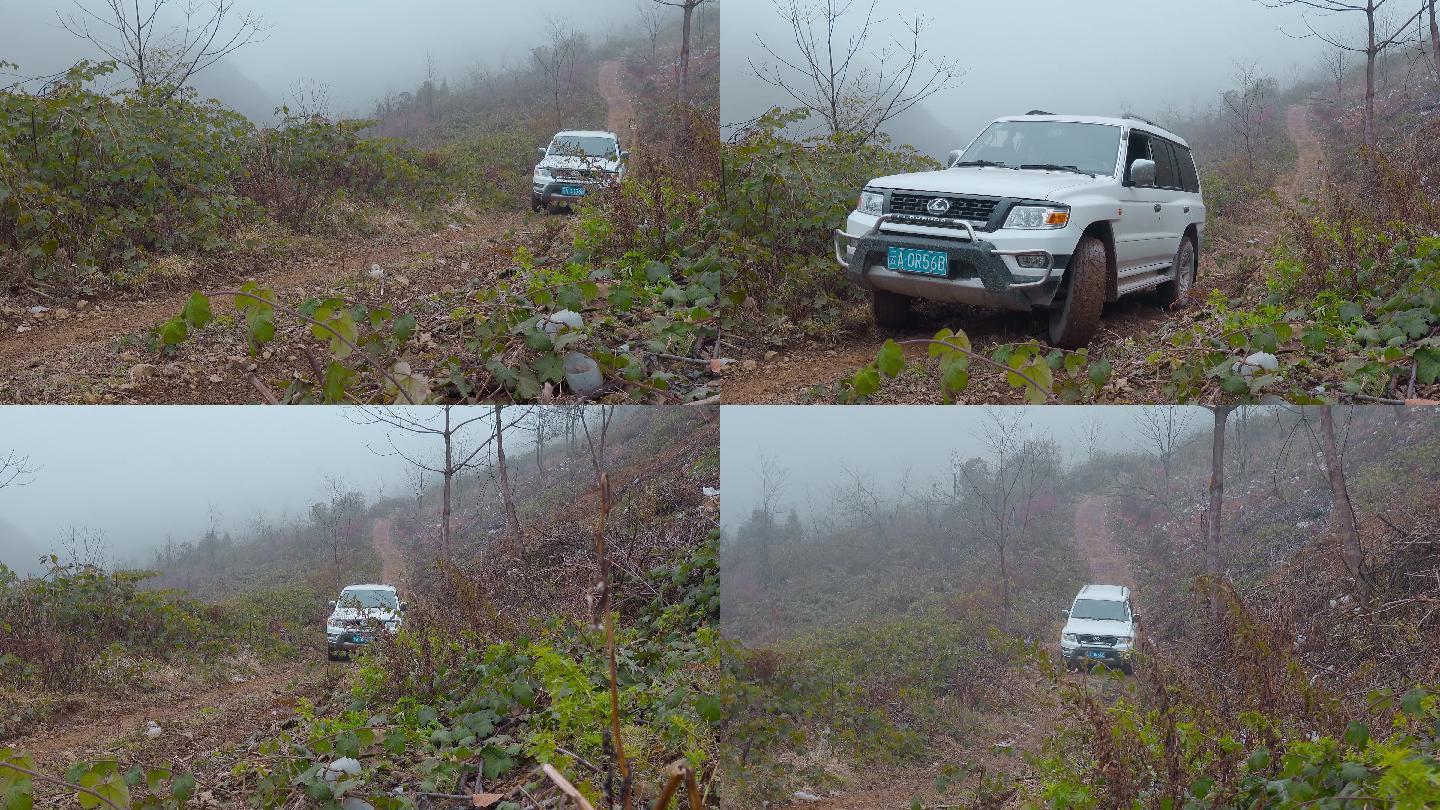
(571, 162)
(1097, 627)
(360, 614)
(989, 182)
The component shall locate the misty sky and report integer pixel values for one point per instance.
(139, 473)
(360, 48)
(1099, 56)
(814, 444)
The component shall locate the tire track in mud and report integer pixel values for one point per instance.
(392, 562)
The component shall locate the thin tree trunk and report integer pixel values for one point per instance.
(685, 55)
(449, 475)
(1435, 40)
(1342, 513)
(512, 521)
(1215, 519)
(1371, 52)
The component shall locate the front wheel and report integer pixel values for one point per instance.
(891, 310)
(1077, 319)
(1178, 287)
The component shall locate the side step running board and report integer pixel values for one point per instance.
(1131, 284)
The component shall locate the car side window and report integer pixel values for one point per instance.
(1166, 173)
(1189, 177)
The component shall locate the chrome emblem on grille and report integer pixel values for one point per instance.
(939, 206)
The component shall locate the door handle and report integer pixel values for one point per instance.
(1157, 209)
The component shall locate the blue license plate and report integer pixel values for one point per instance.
(357, 639)
(923, 262)
(573, 191)
(1096, 654)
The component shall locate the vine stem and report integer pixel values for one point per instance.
(1049, 393)
(295, 313)
(61, 782)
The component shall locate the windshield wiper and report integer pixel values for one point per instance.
(982, 163)
(1054, 167)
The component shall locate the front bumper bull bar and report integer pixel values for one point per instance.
(985, 260)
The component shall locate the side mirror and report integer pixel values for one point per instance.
(954, 158)
(624, 154)
(1065, 612)
(543, 151)
(332, 604)
(1142, 173)
(404, 605)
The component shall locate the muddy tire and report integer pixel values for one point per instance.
(329, 655)
(1075, 321)
(891, 310)
(1128, 669)
(536, 204)
(1178, 288)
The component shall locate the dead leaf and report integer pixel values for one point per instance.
(486, 799)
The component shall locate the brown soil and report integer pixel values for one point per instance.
(1096, 544)
(97, 735)
(621, 117)
(392, 562)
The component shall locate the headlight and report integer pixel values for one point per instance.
(542, 172)
(871, 202)
(1037, 218)
(333, 631)
(1070, 637)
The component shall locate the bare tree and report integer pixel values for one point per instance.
(1383, 31)
(1434, 38)
(852, 87)
(163, 53)
(1247, 108)
(417, 480)
(1005, 484)
(651, 23)
(1090, 433)
(773, 483)
(596, 440)
(1162, 430)
(688, 8)
(1215, 517)
(1337, 68)
(556, 60)
(15, 470)
(333, 518)
(1342, 513)
(512, 520)
(451, 430)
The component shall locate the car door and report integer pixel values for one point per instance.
(1139, 234)
(1175, 202)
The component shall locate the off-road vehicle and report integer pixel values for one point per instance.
(1100, 629)
(574, 164)
(1041, 212)
(361, 612)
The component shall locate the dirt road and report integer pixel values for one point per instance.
(1108, 565)
(621, 117)
(1309, 170)
(392, 562)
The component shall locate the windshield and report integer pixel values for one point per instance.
(1099, 610)
(576, 146)
(1090, 148)
(368, 599)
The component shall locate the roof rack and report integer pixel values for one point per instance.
(1039, 112)
(1135, 117)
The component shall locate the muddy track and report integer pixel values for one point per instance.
(175, 713)
(392, 562)
(1108, 564)
(621, 116)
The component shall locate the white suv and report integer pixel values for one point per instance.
(1100, 629)
(357, 616)
(575, 163)
(1059, 213)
